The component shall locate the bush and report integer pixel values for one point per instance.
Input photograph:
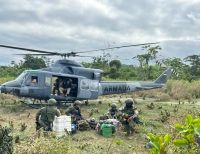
(188, 134)
(159, 143)
(181, 89)
(186, 138)
(6, 144)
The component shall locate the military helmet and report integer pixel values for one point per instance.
(77, 102)
(113, 105)
(52, 101)
(129, 102)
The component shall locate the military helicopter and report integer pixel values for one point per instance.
(83, 83)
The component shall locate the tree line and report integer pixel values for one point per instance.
(149, 66)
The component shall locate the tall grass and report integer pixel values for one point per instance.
(181, 89)
(44, 145)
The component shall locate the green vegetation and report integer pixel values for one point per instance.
(150, 65)
(186, 138)
(183, 89)
(28, 62)
(159, 143)
(6, 140)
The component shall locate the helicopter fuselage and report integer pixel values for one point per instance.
(40, 84)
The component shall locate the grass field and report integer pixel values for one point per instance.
(12, 112)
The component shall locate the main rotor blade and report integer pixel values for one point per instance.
(32, 54)
(118, 47)
(84, 56)
(68, 54)
(28, 49)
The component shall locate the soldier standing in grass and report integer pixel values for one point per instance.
(46, 115)
(129, 116)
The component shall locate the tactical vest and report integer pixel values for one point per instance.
(129, 111)
(48, 114)
(113, 111)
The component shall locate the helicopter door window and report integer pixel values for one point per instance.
(48, 81)
(34, 80)
(85, 84)
(97, 76)
(94, 85)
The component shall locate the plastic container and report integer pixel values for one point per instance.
(60, 124)
(106, 130)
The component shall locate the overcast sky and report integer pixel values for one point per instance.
(76, 25)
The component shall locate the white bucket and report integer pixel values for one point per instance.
(60, 124)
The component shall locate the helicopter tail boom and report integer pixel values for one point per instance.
(108, 88)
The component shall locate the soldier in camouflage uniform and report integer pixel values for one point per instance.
(46, 116)
(75, 112)
(129, 116)
(112, 112)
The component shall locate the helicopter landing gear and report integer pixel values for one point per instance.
(33, 103)
(86, 102)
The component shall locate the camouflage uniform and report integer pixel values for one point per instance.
(75, 112)
(46, 116)
(129, 116)
(112, 112)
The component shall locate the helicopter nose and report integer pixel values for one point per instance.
(2, 89)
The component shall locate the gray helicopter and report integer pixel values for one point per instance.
(67, 80)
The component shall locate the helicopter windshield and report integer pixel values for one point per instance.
(21, 77)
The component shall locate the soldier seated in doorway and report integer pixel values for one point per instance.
(67, 85)
(56, 87)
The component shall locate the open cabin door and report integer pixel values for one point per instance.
(64, 86)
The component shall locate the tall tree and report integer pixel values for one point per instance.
(180, 68)
(115, 63)
(32, 62)
(144, 60)
(101, 62)
(115, 66)
(194, 65)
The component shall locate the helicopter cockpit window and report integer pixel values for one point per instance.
(34, 80)
(21, 77)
